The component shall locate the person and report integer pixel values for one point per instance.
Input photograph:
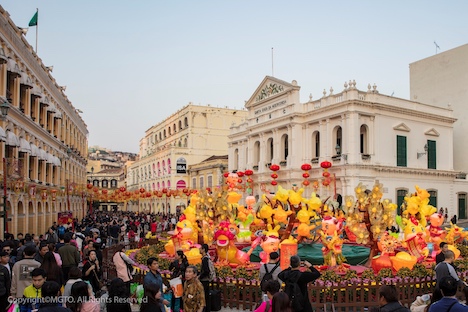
(118, 289)
(280, 302)
(388, 299)
(21, 272)
(27, 242)
(421, 304)
(43, 249)
(271, 288)
(454, 219)
(82, 299)
(441, 255)
(293, 275)
(5, 261)
(121, 260)
(178, 266)
(69, 255)
(448, 286)
(92, 271)
(445, 268)
(153, 276)
(152, 299)
(205, 275)
(74, 276)
(5, 281)
(54, 272)
(194, 295)
(33, 292)
(51, 303)
(272, 267)
(51, 236)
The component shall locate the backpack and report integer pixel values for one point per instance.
(294, 292)
(212, 269)
(267, 277)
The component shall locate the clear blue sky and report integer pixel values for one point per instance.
(129, 64)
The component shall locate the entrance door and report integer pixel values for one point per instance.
(461, 206)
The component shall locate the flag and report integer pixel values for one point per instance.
(33, 21)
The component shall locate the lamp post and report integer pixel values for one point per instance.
(4, 112)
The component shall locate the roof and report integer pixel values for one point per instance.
(215, 157)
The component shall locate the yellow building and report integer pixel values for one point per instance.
(188, 137)
(43, 139)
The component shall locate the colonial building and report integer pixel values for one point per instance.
(367, 136)
(208, 173)
(188, 137)
(43, 139)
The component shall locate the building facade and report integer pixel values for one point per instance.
(43, 139)
(208, 173)
(189, 136)
(367, 137)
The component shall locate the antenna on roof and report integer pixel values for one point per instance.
(437, 46)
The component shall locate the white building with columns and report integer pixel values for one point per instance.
(367, 136)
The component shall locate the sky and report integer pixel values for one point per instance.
(128, 65)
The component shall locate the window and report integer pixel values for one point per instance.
(401, 151)
(180, 125)
(431, 154)
(462, 206)
(256, 153)
(285, 147)
(270, 150)
(316, 144)
(210, 181)
(105, 183)
(363, 140)
(400, 199)
(433, 198)
(236, 159)
(113, 183)
(338, 140)
(194, 182)
(186, 122)
(202, 184)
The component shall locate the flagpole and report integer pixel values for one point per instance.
(37, 26)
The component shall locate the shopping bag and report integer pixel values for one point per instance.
(133, 287)
(176, 286)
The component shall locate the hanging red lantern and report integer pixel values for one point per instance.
(306, 182)
(164, 190)
(104, 192)
(248, 172)
(89, 186)
(274, 176)
(274, 183)
(306, 167)
(239, 181)
(275, 167)
(148, 194)
(226, 174)
(95, 189)
(326, 174)
(325, 164)
(326, 182)
(305, 175)
(249, 180)
(240, 174)
(123, 189)
(142, 190)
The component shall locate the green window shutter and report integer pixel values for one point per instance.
(401, 151)
(431, 154)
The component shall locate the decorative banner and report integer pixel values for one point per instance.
(54, 194)
(287, 250)
(32, 191)
(44, 195)
(19, 186)
(65, 217)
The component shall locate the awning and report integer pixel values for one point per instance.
(34, 150)
(25, 80)
(2, 134)
(49, 158)
(11, 139)
(13, 67)
(57, 161)
(25, 146)
(42, 154)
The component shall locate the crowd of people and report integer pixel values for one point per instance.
(62, 270)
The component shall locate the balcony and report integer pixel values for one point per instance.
(315, 160)
(283, 163)
(365, 156)
(255, 168)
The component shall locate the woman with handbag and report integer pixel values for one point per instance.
(123, 265)
(92, 271)
(177, 268)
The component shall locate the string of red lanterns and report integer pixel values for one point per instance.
(274, 175)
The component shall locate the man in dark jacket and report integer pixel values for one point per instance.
(70, 256)
(388, 299)
(205, 276)
(293, 275)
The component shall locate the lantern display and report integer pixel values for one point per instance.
(325, 165)
(274, 175)
(306, 175)
(249, 181)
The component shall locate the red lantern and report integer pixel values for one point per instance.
(274, 183)
(249, 180)
(226, 174)
(104, 192)
(208, 189)
(305, 175)
(185, 190)
(148, 194)
(159, 194)
(326, 174)
(274, 167)
(306, 167)
(240, 174)
(123, 189)
(274, 176)
(325, 164)
(239, 180)
(164, 190)
(95, 189)
(248, 172)
(142, 190)
(326, 182)
(89, 186)
(306, 182)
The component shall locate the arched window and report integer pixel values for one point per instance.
(285, 147)
(256, 153)
(160, 136)
(168, 184)
(338, 140)
(186, 122)
(159, 186)
(180, 125)
(363, 140)
(194, 183)
(169, 166)
(174, 128)
(433, 197)
(400, 199)
(316, 144)
(185, 142)
(270, 150)
(169, 131)
(164, 132)
(210, 181)
(154, 186)
(462, 206)
(163, 184)
(164, 167)
(202, 183)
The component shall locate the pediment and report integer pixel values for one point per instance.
(270, 87)
(402, 127)
(432, 132)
